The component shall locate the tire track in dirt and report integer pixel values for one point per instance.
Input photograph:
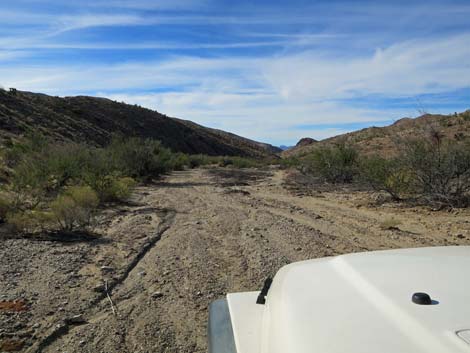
(229, 231)
(63, 329)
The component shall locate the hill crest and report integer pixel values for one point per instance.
(383, 140)
(93, 120)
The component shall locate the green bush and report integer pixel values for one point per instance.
(32, 143)
(110, 188)
(5, 207)
(466, 115)
(30, 220)
(440, 170)
(139, 158)
(75, 208)
(336, 164)
(290, 162)
(390, 176)
(64, 163)
(117, 189)
(179, 161)
(48, 169)
(239, 162)
(429, 169)
(198, 160)
(30, 181)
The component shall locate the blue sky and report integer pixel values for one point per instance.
(274, 71)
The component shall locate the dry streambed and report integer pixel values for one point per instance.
(145, 284)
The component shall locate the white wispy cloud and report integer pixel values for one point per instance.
(338, 52)
(14, 43)
(12, 54)
(408, 68)
(123, 4)
(242, 94)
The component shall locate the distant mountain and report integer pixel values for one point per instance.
(94, 120)
(284, 147)
(386, 140)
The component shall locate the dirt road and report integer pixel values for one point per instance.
(145, 285)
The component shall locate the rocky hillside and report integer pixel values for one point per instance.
(386, 140)
(94, 120)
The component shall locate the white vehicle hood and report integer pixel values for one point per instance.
(362, 303)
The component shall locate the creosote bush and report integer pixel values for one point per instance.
(335, 164)
(5, 207)
(112, 188)
(30, 220)
(386, 175)
(142, 158)
(428, 169)
(440, 170)
(238, 162)
(64, 182)
(75, 208)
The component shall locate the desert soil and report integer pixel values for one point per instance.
(146, 283)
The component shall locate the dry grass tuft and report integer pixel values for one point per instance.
(390, 224)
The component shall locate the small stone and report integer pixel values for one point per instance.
(99, 288)
(76, 320)
(107, 268)
(157, 295)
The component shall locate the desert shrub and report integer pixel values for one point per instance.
(47, 169)
(64, 163)
(440, 170)
(117, 188)
(290, 162)
(21, 221)
(30, 182)
(98, 171)
(30, 220)
(15, 151)
(239, 162)
(198, 160)
(75, 208)
(225, 162)
(466, 115)
(179, 161)
(390, 176)
(110, 188)
(5, 207)
(140, 158)
(336, 164)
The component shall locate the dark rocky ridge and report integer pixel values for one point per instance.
(93, 120)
